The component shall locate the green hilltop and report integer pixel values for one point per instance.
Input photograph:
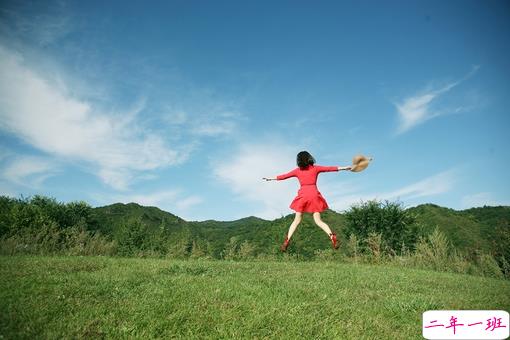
(43, 225)
(474, 229)
(471, 230)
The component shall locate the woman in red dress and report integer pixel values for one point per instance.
(308, 199)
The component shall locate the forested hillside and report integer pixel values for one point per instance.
(133, 230)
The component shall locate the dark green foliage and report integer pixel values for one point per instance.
(461, 228)
(39, 211)
(370, 232)
(133, 237)
(395, 225)
(50, 239)
(109, 218)
(180, 244)
(6, 214)
(41, 225)
(22, 215)
(495, 226)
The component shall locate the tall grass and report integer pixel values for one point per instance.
(432, 252)
(52, 240)
(435, 252)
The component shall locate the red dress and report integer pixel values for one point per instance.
(308, 199)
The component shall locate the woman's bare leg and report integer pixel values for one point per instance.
(320, 223)
(294, 225)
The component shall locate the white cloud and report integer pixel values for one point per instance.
(4, 153)
(212, 129)
(29, 171)
(7, 190)
(213, 119)
(43, 26)
(153, 199)
(173, 201)
(188, 202)
(434, 185)
(201, 115)
(175, 117)
(416, 109)
(243, 173)
(50, 119)
(480, 199)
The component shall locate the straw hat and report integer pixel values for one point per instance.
(360, 163)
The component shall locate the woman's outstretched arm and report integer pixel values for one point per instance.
(321, 168)
(281, 177)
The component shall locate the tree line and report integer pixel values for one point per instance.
(371, 232)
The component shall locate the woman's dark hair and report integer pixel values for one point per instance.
(304, 159)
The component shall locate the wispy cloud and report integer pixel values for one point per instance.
(7, 190)
(243, 173)
(174, 201)
(50, 119)
(434, 185)
(188, 202)
(430, 186)
(43, 25)
(416, 109)
(212, 129)
(480, 199)
(150, 199)
(4, 153)
(171, 117)
(29, 171)
(201, 115)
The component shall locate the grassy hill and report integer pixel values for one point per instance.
(111, 217)
(471, 230)
(41, 225)
(273, 296)
(459, 226)
(262, 234)
(106, 297)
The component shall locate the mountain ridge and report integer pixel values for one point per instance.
(473, 229)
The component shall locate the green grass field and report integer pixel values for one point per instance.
(79, 297)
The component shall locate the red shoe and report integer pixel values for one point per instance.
(285, 244)
(334, 242)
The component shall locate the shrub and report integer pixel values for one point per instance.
(352, 247)
(374, 246)
(459, 263)
(489, 266)
(50, 240)
(197, 250)
(505, 266)
(77, 240)
(246, 250)
(132, 238)
(231, 249)
(389, 219)
(180, 245)
(432, 251)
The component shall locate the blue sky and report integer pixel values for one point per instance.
(185, 105)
